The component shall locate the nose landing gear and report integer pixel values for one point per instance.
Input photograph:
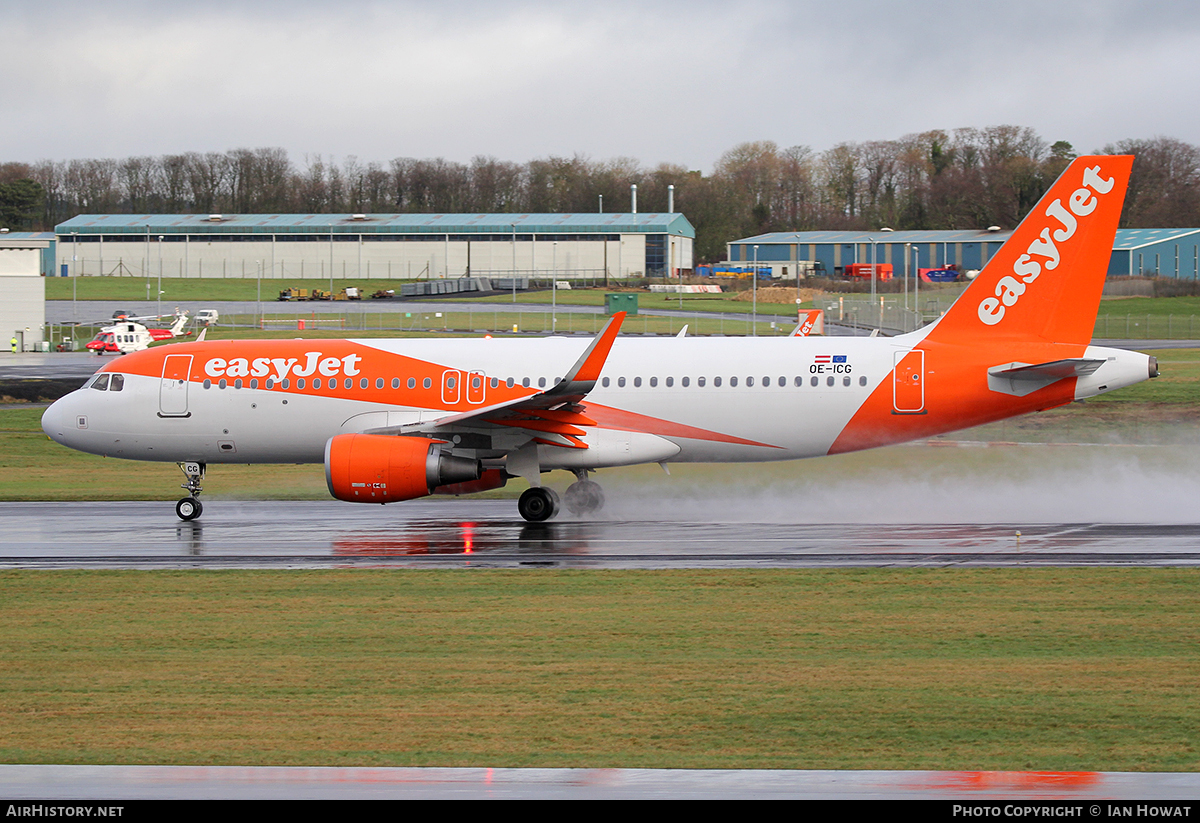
(190, 507)
(584, 496)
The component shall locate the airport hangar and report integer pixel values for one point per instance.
(393, 246)
(1136, 252)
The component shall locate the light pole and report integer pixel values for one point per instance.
(754, 291)
(160, 239)
(875, 274)
(74, 272)
(330, 261)
(907, 247)
(258, 265)
(917, 283)
(554, 289)
(146, 263)
(514, 265)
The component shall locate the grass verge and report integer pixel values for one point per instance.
(929, 669)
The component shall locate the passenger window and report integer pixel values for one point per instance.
(717, 382)
(379, 382)
(224, 383)
(316, 383)
(782, 382)
(254, 383)
(525, 382)
(495, 382)
(541, 382)
(684, 382)
(510, 382)
(604, 382)
(862, 381)
(426, 383)
(814, 380)
(700, 382)
(449, 382)
(363, 383)
(237, 384)
(270, 383)
(349, 384)
(476, 382)
(286, 383)
(100, 383)
(799, 381)
(653, 382)
(637, 382)
(395, 382)
(845, 381)
(749, 381)
(412, 382)
(621, 382)
(117, 382)
(829, 380)
(733, 382)
(671, 382)
(299, 383)
(208, 384)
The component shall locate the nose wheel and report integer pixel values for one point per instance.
(190, 507)
(584, 497)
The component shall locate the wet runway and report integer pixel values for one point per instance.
(489, 534)
(124, 783)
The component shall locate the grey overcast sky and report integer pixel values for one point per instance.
(677, 82)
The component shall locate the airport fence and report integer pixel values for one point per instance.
(1147, 327)
(467, 321)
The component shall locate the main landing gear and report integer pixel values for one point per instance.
(190, 507)
(541, 503)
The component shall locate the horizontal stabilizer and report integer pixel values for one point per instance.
(1020, 379)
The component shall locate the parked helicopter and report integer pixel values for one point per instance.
(128, 334)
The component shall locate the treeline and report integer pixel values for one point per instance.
(967, 178)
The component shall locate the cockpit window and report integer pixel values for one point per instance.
(100, 383)
(117, 383)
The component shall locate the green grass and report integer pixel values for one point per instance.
(464, 323)
(34, 467)
(649, 300)
(190, 288)
(195, 289)
(882, 669)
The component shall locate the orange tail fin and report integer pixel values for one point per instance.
(1045, 282)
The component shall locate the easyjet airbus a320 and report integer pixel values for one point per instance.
(399, 419)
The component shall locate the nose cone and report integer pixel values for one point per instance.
(55, 419)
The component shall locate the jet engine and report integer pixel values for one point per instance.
(373, 468)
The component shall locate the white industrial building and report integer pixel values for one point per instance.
(393, 246)
(23, 307)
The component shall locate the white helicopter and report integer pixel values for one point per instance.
(127, 334)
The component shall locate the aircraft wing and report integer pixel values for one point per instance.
(552, 416)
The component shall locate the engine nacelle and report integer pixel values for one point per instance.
(374, 468)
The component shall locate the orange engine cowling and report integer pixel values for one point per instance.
(374, 468)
